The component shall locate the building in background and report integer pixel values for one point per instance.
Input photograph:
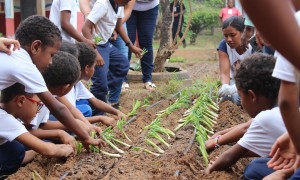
(12, 12)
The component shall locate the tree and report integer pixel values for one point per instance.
(167, 47)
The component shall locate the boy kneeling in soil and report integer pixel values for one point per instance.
(18, 104)
(258, 91)
(80, 96)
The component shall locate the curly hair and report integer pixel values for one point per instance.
(235, 21)
(64, 70)
(87, 55)
(37, 28)
(255, 73)
(69, 48)
(9, 93)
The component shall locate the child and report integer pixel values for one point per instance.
(79, 95)
(39, 39)
(258, 91)
(87, 63)
(60, 76)
(64, 15)
(107, 16)
(18, 104)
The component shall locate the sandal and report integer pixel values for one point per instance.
(125, 87)
(149, 86)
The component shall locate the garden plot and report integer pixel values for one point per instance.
(182, 160)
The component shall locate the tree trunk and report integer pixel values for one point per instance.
(166, 46)
(164, 51)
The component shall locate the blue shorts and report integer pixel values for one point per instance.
(11, 157)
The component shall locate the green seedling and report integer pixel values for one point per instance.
(144, 52)
(120, 125)
(136, 148)
(97, 39)
(137, 104)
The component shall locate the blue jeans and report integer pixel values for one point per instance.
(120, 44)
(110, 76)
(143, 22)
(11, 157)
(257, 169)
(84, 107)
(296, 175)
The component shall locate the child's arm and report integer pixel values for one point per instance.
(61, 112)
(100, 105)
(120, 29)
(44, 148)
(233, 135)
(289, 108)
(78, 115)
(68, 27)
(64, 137)
(108, 121)
(227, 159)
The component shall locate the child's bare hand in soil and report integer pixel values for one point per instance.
(92, 141)
(64, 150)
(210, 144)
(65, 138)
(121, 115)
(108, 121)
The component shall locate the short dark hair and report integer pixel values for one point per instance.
(69, 48)
(9, 93)
(87, 55)
(64, 70)
(235, 21)
(255, 73)
(37, 28)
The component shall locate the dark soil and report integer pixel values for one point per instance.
(180, 161)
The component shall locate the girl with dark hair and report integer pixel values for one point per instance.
(231, 52)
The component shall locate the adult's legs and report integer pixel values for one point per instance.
(257, 169)
(131, 28)
(118, 69)
(99, 87)
(146, 22)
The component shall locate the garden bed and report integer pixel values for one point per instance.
(180, 161)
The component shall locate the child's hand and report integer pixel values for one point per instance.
(283, 153)
(66, 138)
(5, 45)
(137, 51)
(210, 144)
(92, 141)
(90, 43)
(108, 121)
(99, 59)
(64, 150)
(226, 90)
(121, 115)
(280, 174)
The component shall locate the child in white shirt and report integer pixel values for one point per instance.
(258, 91)
(18, 104)
(39, 39)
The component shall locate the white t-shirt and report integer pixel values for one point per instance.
(145, 5)
(18, 68)
(235, 56)
(55, 15)
(41, 117)
(79, 91)
(10, 127)
(283, 69)
(105, 19)
(265, 128)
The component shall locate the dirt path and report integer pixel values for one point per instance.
(175, 163)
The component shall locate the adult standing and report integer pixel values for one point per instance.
(229, 11)
(176, 10)
(142, 22)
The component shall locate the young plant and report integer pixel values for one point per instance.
(153, 134)
(144, 52)
(107, 135)
(154, 145)
(97, 39)
(135, 107)
(120, 125)
(136, 148)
